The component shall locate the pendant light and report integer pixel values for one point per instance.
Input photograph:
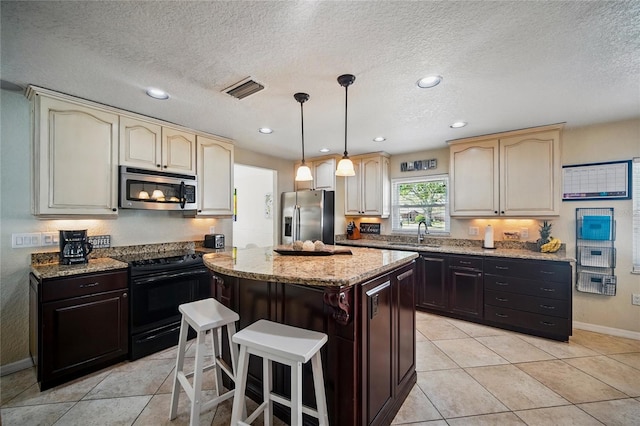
(304, 172)
(345, 166)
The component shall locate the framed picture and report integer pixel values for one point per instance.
(597, 181)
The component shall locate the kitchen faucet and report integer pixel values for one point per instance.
(426, 231)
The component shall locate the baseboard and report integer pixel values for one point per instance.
(15, 366)
(607, 330)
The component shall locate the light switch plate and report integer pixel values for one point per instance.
(524, 233)
(473, 230)
(212, 229)
(635, 299)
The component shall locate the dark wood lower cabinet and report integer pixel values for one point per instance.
(78, 325)
(451, 284)
(525, 295)
(369, 359)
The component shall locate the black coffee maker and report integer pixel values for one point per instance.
(74, 247)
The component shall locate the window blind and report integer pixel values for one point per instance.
(635, 185)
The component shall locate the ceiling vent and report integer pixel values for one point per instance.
(244, 88)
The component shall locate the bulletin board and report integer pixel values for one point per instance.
(597, 181)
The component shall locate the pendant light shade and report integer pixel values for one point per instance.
(304, 172)
(345, 165)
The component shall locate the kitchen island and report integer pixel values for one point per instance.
(363, 301)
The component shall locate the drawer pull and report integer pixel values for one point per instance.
(547, 272)
(548, 324)
(548, 290)
(547, 307)
(501, 283)
(462, 262)
(502, 315)
(501, 299)
(503, 268)
(89, 285)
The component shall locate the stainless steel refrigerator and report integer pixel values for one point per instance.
(307, 215)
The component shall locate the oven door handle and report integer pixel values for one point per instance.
(164, 277)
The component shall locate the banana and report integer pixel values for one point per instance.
(552, 246)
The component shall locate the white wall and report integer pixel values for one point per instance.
(132, 227)
(254, 225)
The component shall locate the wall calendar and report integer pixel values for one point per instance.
(597, 181)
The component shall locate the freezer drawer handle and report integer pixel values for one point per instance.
(549, 290)
(547, 307)
(502, 315)
(501, 299)
(548, 324)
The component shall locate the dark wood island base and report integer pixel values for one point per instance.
(369, 359)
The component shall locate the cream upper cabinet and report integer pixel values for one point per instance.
(323, 171)
(473, 172)
(511, 174)
(215, 177)
(75, 158)
(151, 146)
(368, 192)
(178, 151)
(140, 143)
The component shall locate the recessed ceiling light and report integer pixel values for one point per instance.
(324, 150)
(430, 81)
(379, 139)
(157, 93)
(458, 124)
(265, 130)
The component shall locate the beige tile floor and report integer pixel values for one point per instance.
(468, 374)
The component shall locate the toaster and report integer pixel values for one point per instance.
(215, 241)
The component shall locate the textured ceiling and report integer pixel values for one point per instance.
(506, 65)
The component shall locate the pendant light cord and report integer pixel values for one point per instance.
(346, 95)
(302, 125)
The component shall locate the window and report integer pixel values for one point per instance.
(420, 198)
(635, 185)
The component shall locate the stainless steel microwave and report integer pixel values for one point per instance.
(154, 190)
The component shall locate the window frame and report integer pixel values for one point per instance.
(395, 182)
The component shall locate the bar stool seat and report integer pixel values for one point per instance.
(286, 345)
(203, 316)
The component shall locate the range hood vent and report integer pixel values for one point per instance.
(244, 88)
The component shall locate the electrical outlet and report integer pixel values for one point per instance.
(473, 230)
(635, 299)
(524, 233)
(50, 238)
(212, 229)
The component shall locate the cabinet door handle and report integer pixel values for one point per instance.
(547, 323)
(548, 290)
(501, 283)
(462, 262)
(158, 165)
(501, 299)
(547, 272)
(502, 268)
(547, 307)
(89, 285)
(124, 295)
(502, 315)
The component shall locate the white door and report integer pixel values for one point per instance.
(257, 217)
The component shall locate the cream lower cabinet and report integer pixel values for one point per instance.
(215, 177)
(368, 193)
(75, 158)
(151, 146)
(509, 174)
(323, 172)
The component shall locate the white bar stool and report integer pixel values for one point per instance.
(286, 345)
(202, 316)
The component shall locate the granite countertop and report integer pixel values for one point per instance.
(336, 270)
(516, 253)
(55, 270)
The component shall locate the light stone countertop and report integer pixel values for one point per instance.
(263, 264)
(55, 270)
(559, 256)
